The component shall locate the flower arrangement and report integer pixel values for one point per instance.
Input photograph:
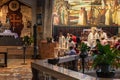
(27, 40)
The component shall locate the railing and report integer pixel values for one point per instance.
(42, 70)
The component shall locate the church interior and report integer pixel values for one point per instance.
(42, 39)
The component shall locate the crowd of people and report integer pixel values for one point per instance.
(96, 34)
(101, 35)
(71, 41)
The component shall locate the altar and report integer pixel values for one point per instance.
(7, 38)
(9, 33)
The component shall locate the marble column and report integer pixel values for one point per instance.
(48, 18)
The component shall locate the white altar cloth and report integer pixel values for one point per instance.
(9, 33)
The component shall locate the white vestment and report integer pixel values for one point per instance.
(92, 39)
(103, 35)
(62, 42)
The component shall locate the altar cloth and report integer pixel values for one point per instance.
(9, 33)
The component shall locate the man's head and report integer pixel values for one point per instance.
(93, 29)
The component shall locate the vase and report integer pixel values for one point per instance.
(105, 71)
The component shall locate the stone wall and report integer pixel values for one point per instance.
(32, 4)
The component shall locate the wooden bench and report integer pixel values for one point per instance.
(5, 59)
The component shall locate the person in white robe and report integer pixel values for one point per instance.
(62, 40)
(67, 40)
(92, 37)
(103, 35)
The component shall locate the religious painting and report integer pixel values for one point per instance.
(86, 12)
(14, 5)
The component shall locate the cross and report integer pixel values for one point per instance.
(15, 19)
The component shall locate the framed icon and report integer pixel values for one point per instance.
(14, 5)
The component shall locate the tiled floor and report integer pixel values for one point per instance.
(16, 71)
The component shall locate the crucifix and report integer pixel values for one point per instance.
(15, 20)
